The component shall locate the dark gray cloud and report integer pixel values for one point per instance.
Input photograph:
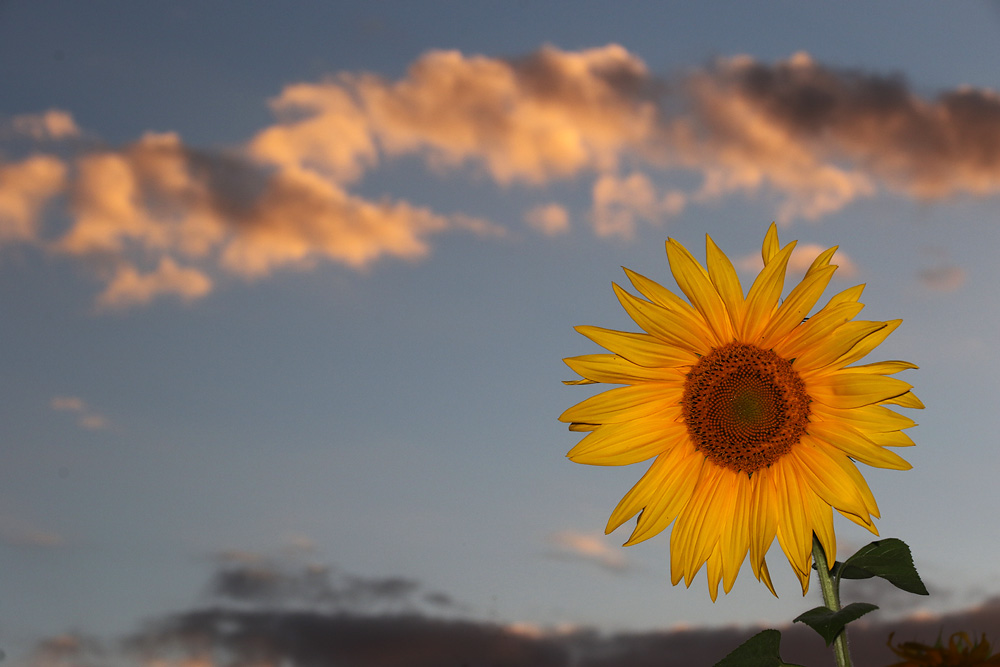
(270, 583)
(271, 612)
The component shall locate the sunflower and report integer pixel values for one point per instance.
(960, 652)
(751, 410)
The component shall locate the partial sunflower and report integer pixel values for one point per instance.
(752, 411)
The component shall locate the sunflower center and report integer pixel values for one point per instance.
(744, 407)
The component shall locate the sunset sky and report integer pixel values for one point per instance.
(288, 288)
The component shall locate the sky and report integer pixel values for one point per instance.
(285, 292)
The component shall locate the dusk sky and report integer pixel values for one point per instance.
(286, 288)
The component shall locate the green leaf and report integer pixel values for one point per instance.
(890, 559)
(829, 623)
(761, 650)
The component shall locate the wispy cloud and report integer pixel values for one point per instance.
(549, 219)
(86, 417)
(942, 278)
(590, 548)
(50, 125)
(15, 532)
(158, 217)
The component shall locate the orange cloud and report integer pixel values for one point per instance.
(158, 217)
(619, 202)
(129, 287)
(221, 212)
(25, 188)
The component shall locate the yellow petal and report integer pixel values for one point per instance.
(763, 575)
(686, 316)
(794, 527)
(658, 294)
(663, 474)
(669, 326)
(821, 518)
(826, 477)
(824, 356)
(891, 439)
(695, 283)
(868, 343)
(665, 494)
(583, 428)
(764, 294)
(699, 525)
(883, 367)
(623, 404)
(907, 400)
(735, 540)
(628, 443)
(853, 390)
(860, 521)
(770, 247)
(723, 276)
(853, 442)
(796, 307)
(822, 260)
(640, 348)
(713, 570)
(612, 369)
(851, 471)
(763, 518)
(849, 295)
(869, 418)
(815, 330)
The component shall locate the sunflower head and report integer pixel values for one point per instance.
(753, 412)
(961, 651)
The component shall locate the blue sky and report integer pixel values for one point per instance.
(326, 324)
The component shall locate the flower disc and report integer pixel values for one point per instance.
(744, 407)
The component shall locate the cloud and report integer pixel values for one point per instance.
(51, 125)
(942, 278)
(549, 219)
(270, 611)
(86, 418)
(213, 636)
(128, 287)
(258, 581)
(619, 202)
(15, 532)
(25, 188)
(588, 547)
(158, 217)
(69, 650)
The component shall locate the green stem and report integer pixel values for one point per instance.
(831, 597)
